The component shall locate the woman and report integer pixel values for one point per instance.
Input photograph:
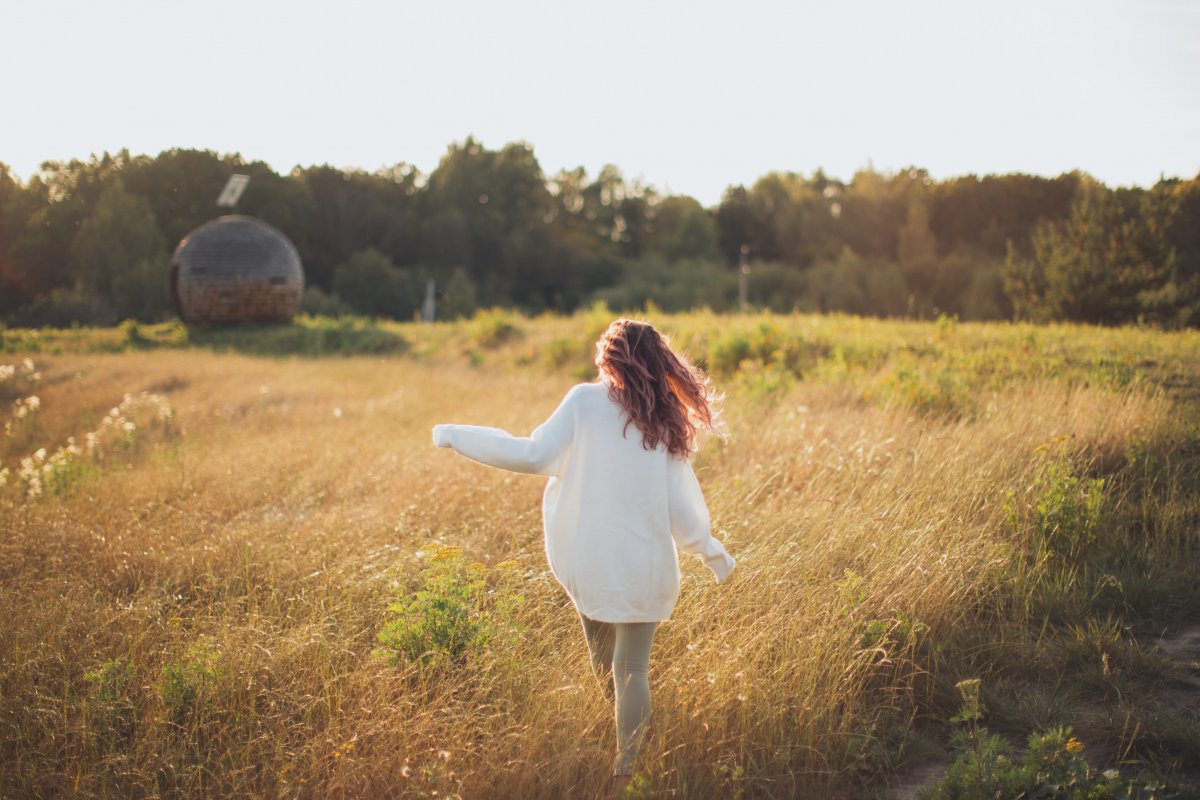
(621, 488)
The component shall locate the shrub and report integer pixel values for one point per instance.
(108, 709)
(458, 297)
(1052, 767)
(1060, 513)
(493, 327)
(370, 284)
(929, 388)
(183, 684)
(322, 304)
(453, 616)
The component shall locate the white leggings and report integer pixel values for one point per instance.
(620, 654)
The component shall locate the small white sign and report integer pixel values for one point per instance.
(233, 190)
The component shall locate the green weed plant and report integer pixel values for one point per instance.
(460, 611)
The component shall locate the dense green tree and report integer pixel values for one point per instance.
(119, 255)
(458, 298)
(683, 229)
(181, 187)
(56, 201)
(981, 215)
(491, 229)
(1172, 213)
(12, 215)
(371, 284)
(355, 210)
(1098, 266)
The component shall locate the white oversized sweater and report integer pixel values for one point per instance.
(611, 507)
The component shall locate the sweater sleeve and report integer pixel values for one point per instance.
(540, 453)
(690, 525)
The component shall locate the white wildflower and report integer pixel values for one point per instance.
(6, 372)
(40, 454)
(33, 402)
(27, 365)
(129, 426)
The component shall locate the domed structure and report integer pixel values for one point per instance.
(236, 269)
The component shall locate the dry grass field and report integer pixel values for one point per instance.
(191, 599)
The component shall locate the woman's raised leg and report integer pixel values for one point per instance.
(600, 637)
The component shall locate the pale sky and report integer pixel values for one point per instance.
(689, 96)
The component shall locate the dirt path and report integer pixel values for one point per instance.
(1181, 648)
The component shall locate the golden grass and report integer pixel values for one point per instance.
(267, 534)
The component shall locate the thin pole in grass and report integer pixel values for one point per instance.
(744, 278)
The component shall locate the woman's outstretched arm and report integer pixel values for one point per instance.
(690, 524)
(537, 454)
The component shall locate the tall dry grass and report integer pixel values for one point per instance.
(251, 553)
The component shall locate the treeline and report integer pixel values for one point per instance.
(90, 241)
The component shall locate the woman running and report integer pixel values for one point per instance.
(621, 489)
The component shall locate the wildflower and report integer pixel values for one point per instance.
(33, 402)
(129, 426)
(27, 365)
(40, 454)
(1074, 745)
(6, 372)
(447, 552)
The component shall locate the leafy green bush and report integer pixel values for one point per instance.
(492, 327)
(322, 304)
(1053, 766)
(562, 351)
(304, 336)
(929, 388)
(454, 614)
(371, 284)
(108, 709)
(1060, 513)
(764, 346)
(184, 683)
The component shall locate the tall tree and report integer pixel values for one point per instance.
(683, 229)
(119, 255)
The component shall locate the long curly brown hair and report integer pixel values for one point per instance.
(663, 394)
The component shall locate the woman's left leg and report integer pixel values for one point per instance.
(631, 678)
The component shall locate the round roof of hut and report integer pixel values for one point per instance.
(236, 269)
